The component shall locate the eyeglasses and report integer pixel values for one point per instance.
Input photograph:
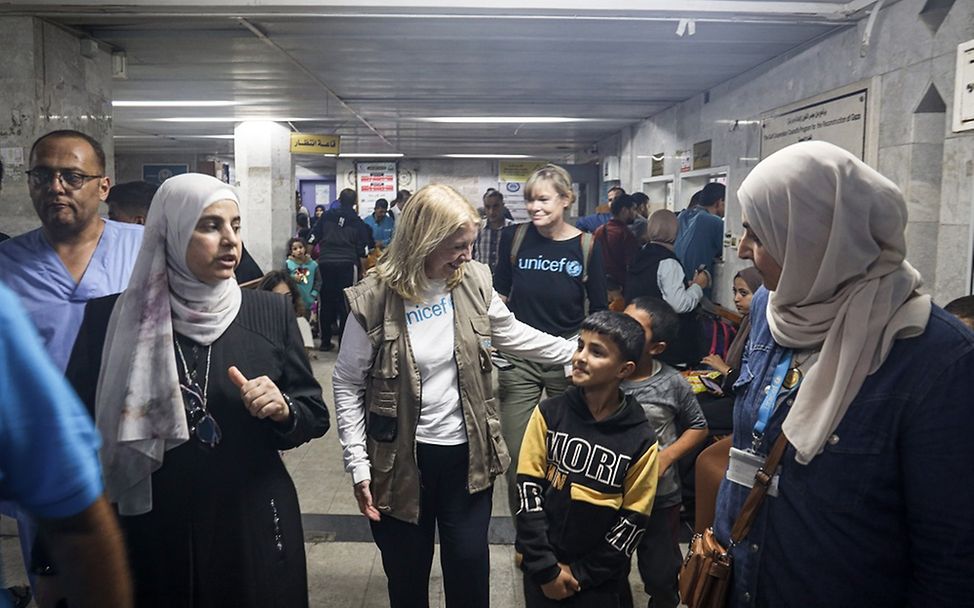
(41, 176)
(201, 424)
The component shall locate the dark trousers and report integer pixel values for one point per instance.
(603, 596)
(659, 558)
(331, 307)
(462, 519)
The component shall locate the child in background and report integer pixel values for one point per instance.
(586, 476)
(280, 282)
(963, 309)
(304, 271)
(679, 424)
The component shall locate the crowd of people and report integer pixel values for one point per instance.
(150, 392)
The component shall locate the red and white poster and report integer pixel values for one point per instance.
(374, 180)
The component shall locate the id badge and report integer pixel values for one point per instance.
(744, 466)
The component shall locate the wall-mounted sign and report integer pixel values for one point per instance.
(373, 181)
(156, 174)
(518, 170)
(701, 154)
(309, 143)
(657, 167)
(839, 120)
(686, 160)
(964, 87)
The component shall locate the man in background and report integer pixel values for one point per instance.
(485, 248)
(129, 202)
(700, 240)
(381, 223)
(603, 213)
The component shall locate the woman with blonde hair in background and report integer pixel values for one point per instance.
(549, 272)
(417, 418)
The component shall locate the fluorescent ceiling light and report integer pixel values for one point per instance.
(173, 104)
(172, 136)
(487, 156)
(368, 155)
(504, 120)
(234, 119)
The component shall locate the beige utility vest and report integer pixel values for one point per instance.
(393, 390)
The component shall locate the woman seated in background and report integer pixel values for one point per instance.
(415, 403)
(657, 272)
(199, 385)
(718, 411)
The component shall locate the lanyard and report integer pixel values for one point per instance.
(770, 402)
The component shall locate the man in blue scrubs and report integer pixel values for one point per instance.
(75, 255)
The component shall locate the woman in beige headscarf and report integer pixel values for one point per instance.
(869, 383)
(657, 272)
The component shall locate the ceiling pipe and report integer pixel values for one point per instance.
(265, 39)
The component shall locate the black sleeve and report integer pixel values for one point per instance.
(595, 287)
(729, 379)
(84, 365)
(309, 414)
(369, 237)
(503, 271)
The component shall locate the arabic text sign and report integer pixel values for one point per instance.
(840, 121)
(308, 143)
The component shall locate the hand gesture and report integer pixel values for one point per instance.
(261, 396)
(364, 498)
(562, 586)
(702, 278)
(717, 362)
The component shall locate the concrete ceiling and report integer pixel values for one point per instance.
(372, 71)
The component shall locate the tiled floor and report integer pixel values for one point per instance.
(348, 574)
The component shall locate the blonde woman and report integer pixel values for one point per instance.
(547, 270)
(414, 398)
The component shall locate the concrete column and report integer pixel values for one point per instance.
(47, 82)
(265, 180)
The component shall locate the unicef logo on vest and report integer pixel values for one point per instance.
(571, 267)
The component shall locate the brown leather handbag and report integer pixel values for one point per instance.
(706, 573)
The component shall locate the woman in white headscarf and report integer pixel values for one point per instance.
(871, 506)
(199, 385)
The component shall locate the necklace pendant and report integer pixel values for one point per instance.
(792, 378)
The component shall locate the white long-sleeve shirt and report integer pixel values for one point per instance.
(431, 337)
(670, 279)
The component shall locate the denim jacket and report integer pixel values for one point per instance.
(884, 516)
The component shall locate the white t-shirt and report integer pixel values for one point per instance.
(430, 326)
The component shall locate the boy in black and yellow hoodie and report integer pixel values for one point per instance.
(587, 475)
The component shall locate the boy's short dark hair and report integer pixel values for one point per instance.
(640, 198)
(382, 204)
(623, 201)
(664, 320)
(624, 331)
(962, 308)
